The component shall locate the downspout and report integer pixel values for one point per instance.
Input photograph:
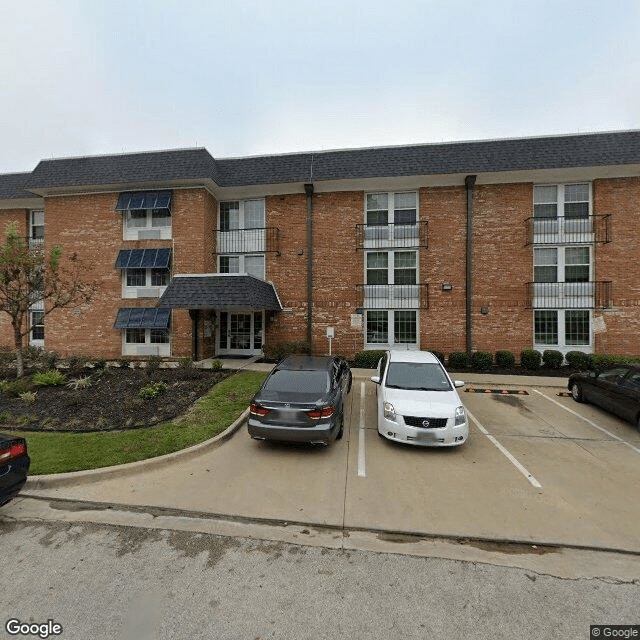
(470, 183)
(308, 189)
(195, 328)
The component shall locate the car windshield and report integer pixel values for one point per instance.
(423, 376)
(283, 380)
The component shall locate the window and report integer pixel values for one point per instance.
(403, 209)
(136, 277)
(144, 278)
(561, 264)
(147, 214)
(145, 331)
(252, 265)
(242, 214)
(402, 268)
(404, 323)
(36, 223)
(135, 336)
(147, 336)
(571, 201)
(37, 325)
(562, 329)
(377, 209)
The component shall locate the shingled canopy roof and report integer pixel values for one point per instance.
(228, 292)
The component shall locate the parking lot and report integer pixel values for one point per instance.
(537, 467)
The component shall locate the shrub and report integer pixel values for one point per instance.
(600, 362)
(153, 364)
(185, 363)
(124, 362)
(101, 363)
(481, 360)
(216, 365)
(531, 359)
(76, 362)
(552, 359)
(367, 359)
(438, 354)
(505, 359)
(79, 383)
(17, 387)
(5, 385)
(51, 359)
(152, 391)
(48, 378)
(4, 416)
(459, 360)
(276, 352)
(578, 360)
(28, 396)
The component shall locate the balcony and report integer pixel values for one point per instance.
(391, 236)
(569, 295)
(392, 296)
(568, 230)
(260, 240)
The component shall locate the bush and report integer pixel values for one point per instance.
(276, 352)
(367, 359)
(505, 359)
(28, 396)
(552, 359)
(17, 387)
(578, 360)
(51, 359)
(216, 365)
(153, 364)
(79, 383)
(48, 378)
(531, 359)
(152, 391)
(459, 360)
(101, 364)
(601, 362)
(481, 360)
(438, 354)
(124, 362)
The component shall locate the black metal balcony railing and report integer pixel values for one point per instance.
(568, 230)
(569, 295)
(260, 240)
(393, 296)
(378, 236)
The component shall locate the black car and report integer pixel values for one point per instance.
(302, 400)
(616, 390)
(14, 466)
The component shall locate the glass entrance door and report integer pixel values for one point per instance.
(240, 333)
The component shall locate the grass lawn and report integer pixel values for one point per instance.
(212, 414)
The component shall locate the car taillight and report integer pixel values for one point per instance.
(12, 452)
(257, 410)
(318, 414)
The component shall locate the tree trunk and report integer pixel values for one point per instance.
(17, 336)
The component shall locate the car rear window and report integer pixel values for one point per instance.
(298, 381)
(417, 375)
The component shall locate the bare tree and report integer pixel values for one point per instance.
(29, 276)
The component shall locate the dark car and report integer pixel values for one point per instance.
(14, 466)
(302, 400)
(616, 390)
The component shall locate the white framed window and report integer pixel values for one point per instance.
(571, 201)
(146, 342)
(36, 328)
(241, 214)
(388, 328)
(144, 283)
(391, 267)
(562, 329)
(253, 265)
(147, 224)
(36, 227)
(562, 264)
(397, 208)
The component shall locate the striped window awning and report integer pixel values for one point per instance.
(131, 200)
(143, 259)
(142, 318)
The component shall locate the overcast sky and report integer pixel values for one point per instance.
(82, 77)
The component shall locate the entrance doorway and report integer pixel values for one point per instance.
(240, 333)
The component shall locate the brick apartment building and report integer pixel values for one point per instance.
(504, 244)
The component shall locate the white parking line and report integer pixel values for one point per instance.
(511, 459)
(593, 424)
(361, 462)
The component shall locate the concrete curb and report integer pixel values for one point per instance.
(55, 480)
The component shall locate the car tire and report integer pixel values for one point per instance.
(576, 392)
(341, 429)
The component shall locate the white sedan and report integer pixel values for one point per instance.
(418, 402)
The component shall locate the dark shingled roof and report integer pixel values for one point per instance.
(226, 292)
(11, 186)
(483, 156)
(153, 166)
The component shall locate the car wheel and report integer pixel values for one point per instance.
(576, 392)
(341, 429)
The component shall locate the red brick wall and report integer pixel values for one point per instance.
(618, 261)
(21, 217)
(89, 226)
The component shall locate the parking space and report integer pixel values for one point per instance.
(537, 466)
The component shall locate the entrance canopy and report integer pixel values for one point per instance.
(222, 291)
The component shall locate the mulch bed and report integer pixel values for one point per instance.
(111, 403)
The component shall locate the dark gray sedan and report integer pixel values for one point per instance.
(14, 466)
(616, 390)
(302, 400)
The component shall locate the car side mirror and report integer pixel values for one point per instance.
(375, 379)
(458, 383)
